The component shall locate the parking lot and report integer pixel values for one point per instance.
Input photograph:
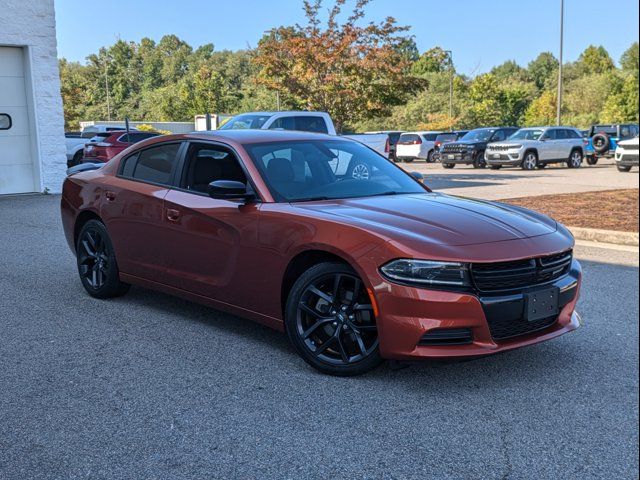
(514, 182)
(150, 386)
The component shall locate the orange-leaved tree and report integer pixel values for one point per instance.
(352, 69)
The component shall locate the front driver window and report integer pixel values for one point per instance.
(208, 163)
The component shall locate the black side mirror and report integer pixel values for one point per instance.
(229, 190)
(418, 176)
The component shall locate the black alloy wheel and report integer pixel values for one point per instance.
(330, 321)
(97, 265)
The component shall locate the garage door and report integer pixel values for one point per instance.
(16, 165)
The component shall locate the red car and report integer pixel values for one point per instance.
(281, 228)
(103, 147)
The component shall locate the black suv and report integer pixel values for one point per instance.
(469, 150)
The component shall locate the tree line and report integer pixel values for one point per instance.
(368, 76)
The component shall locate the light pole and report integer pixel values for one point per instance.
(450, 54)
(106, 84)
(559, 106)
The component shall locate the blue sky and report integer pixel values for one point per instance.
(481, 34)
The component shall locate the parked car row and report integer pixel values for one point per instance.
(100, 143)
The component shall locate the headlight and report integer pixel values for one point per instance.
(427, 272)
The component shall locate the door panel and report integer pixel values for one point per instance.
(133, 214)
(211, 248)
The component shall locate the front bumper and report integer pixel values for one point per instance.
(407, 313)
(465, 158)
(627, 160)
(503, 158)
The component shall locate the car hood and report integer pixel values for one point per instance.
(435, 218)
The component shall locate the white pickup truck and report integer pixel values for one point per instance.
(75, 142)
(315, 122)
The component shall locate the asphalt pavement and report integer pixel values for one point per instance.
(514, 182)
(152, 387)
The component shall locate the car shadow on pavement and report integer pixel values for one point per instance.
(462, 180)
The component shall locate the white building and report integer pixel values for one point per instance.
(32, 148)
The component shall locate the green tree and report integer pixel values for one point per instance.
(629, 59)
(543, 70)
(542, 111)
(595, 60)
(352, 71)
(432, 61)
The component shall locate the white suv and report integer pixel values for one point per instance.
(627, 155)
(414, 145)
(536, 147)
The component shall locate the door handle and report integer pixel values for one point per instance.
(172, 215)
(110, 196)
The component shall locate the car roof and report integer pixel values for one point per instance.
(421, 132)
(247, 136)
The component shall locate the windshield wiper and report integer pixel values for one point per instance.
(309, 199)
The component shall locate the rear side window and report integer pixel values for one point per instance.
(561, 134)
(572, 134)
(311, 124)
(550, 134)
(447, 137)
(152, 165)
(430, 137)
(5, 121)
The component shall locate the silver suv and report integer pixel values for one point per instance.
(536, 147)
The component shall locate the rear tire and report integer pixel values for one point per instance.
(575, 159)
(479, 161)
(430, 156)
(76, 159)
(622, 168)
(329, 320)
(407, 160)
(97, 264)
(496, 167)
(448, 166)
(591, 160)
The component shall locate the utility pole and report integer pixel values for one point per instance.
(450, 53)
(559, 106)
(106, 83)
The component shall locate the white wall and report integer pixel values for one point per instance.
(31, 24)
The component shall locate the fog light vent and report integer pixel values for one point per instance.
(446, 336)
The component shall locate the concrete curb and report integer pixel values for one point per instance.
(606, 236)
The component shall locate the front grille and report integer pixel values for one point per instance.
(502, 328)
(492, 148)
(628, 147)
(454, 148)
(493, 277)
(446, 336)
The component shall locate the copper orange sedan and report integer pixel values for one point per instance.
(324, 239)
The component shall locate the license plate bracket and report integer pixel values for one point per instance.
(543, 303)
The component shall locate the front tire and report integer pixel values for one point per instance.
(97, 264)
(622, 168)
(496, 167)
(448, 166)
(530, 161)
(408, 160)
(330, 321)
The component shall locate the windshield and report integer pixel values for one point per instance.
(323, 170)
(525, 134)
(244, 122)
(480, 135)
